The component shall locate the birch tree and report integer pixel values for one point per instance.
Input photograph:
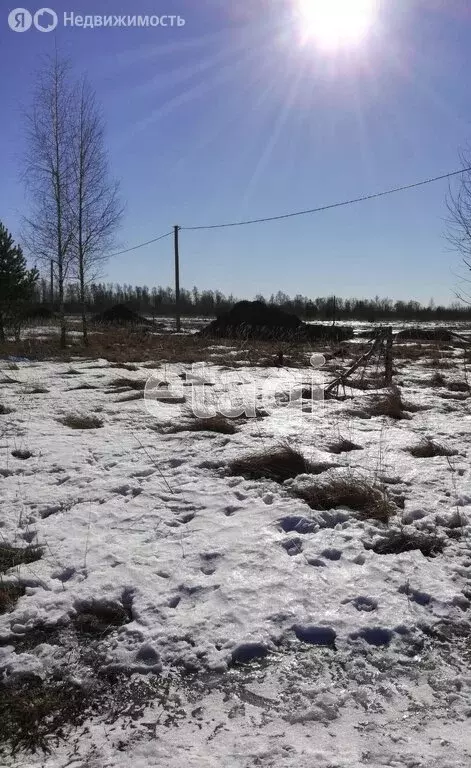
(76, 208)
(49, 228)
(95, 206)
(459, 218)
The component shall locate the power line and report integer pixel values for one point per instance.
(301, 213)
(332, 205)
(141, 245)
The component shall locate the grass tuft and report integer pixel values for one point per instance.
(37, 390)
(343, 446)
(390, 404)
(279, 464)
(127, 383)
(97, 618)
(21, 454)
(437, 380)
(130, 397)
(428, 449)
(459, 386)
(32, 712)
(9, 595)
(75, 421)
(218, 423)
(125, 366)
(85, 385)
(404, 540)
(370, 501)
(12, 557)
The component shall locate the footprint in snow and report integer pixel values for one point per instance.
(143, 472)
(332, 554)
(229, 511)
(173, 463)
(293, 546)
(296, 523)
(209, 558)
(65, 574)
(187, 517)
(362, 603)
(376, 636)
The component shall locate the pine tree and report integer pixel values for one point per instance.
(16, 281)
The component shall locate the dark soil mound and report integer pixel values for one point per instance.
(256, 320)
(425, 334)
(326, 332)
(120, 314)
(39, 312)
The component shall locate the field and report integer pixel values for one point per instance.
(285, 589)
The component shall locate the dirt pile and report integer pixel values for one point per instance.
(425, 334)
(120, 314)
(256, 320)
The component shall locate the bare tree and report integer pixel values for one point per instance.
(49, 229)
(459, 218)
(95, 206)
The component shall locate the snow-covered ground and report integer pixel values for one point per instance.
(284, 639)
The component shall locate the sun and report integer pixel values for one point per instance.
(336, 24)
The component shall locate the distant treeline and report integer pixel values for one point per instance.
(161, 301)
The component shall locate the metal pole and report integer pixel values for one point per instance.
(177, 279)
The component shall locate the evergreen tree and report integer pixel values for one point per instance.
(16, 281)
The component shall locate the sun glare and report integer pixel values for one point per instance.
(335, 24)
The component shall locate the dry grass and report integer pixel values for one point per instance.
(218, 423)
(390, 405)
(37, 390)
(279, 464)
(12, 557)
(369, 500)
(440, 363)
(459, 386)
(124, 347)
(125, 366)
(427, 449)
(437, 380)
(96, 618)
(77, 421)
(343, 446)
(35, 714)
(85, 385)
(368, 383)
(20, 453)
(126, 383)
(406, 540)
(32, 712)
(9, 595)
(411, 352)
(130, 398)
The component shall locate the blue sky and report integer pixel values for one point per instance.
(230, 117)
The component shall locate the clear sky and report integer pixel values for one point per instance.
(236, 115)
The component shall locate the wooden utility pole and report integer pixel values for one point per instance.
(388, 355)
(52, 286)
(177, 279)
